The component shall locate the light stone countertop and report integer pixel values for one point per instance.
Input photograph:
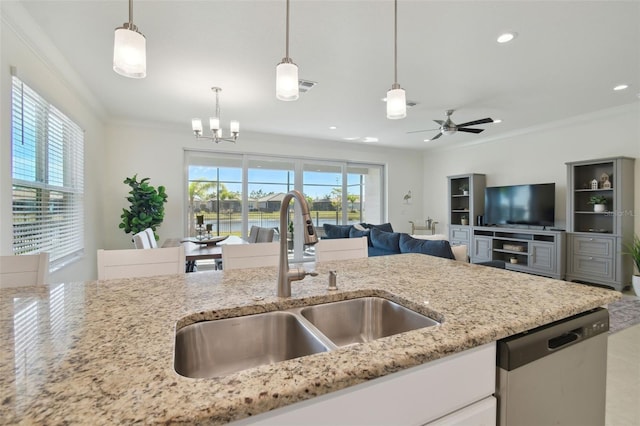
(101, 352)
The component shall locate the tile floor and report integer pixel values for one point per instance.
(623, 378)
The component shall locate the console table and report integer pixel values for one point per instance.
(525, 250)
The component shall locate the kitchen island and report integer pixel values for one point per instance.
(102, 352)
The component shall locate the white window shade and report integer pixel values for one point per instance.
(48, 178)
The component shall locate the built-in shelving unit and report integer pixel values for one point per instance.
(531, 251)
(596, 240)
(465, 204)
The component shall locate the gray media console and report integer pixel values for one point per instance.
(532, 251)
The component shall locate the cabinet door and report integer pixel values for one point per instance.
(481, 249)
(593, 246)
(459, 235)
(542, 257)
(593, 267)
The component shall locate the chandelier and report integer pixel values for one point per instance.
(214, 125)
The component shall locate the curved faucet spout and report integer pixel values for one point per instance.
(285, 276)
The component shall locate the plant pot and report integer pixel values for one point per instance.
(635, 282)
(599, 208)
(465, 192)
(513, 260)
(464, 221)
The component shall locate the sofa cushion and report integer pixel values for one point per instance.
(439, 248)
(377, 251)
(356, 233)
(336, 231)
(386, 227)
(388, 242)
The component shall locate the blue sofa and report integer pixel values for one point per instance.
(383, 241)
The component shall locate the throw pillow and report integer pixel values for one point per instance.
(355, 233)
(336, 231)
(439, 248)
(386, 227)
(388, 241)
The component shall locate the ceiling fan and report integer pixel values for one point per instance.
(448, 127)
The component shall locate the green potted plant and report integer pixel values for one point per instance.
(147, 206)
(599, 203)
(464, 220)
(634, 252)
(464, 187)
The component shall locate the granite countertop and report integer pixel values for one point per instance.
(101, 352)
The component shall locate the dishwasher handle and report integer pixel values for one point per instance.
(559, 342)
(526, 347)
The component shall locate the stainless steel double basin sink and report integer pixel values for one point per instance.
(220, 347)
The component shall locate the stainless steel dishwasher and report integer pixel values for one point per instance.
(555, 374)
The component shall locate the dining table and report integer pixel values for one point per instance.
(195, 249)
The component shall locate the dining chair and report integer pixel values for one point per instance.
(152, 237)
(265, 235)
(240, 256)
(24, 270)
(141, 240)
(140, 263)
(253, 234)
(341, 249)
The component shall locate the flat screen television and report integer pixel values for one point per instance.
(532, 205)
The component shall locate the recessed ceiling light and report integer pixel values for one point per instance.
(351, 138)
(427, 140)
(621, 87)
(332, 127)
(506, 37)
(369, 139)
(497, 120)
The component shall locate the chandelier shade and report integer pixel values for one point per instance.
(130, 49)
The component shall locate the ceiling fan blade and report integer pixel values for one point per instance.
(476, 122)
(470, 130)
(420, 131)
(436, 136)
(440, 122)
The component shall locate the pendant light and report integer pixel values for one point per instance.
(129, 49)
(396, 98)
(287, 73)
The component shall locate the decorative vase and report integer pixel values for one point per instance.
(635, 282)
(465, 192)
(599, 208)
(464, 221)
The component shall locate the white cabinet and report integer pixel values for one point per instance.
(415, 396)
(482, 413)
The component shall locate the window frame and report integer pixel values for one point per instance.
(47, 188)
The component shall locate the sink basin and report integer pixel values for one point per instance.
(361, 320)
(220, 347)
(217, 348)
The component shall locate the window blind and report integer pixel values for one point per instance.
(48, 178)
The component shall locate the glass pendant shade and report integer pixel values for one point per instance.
(234, 127)
(196, 125)
(129, 53)
(214, 124)
(396, 104)
(287, 81)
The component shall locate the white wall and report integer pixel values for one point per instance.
(538, 156)
(157, 152)
(38, 64)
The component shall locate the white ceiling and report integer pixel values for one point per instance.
(565, 61)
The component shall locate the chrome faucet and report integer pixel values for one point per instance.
(285, 276)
